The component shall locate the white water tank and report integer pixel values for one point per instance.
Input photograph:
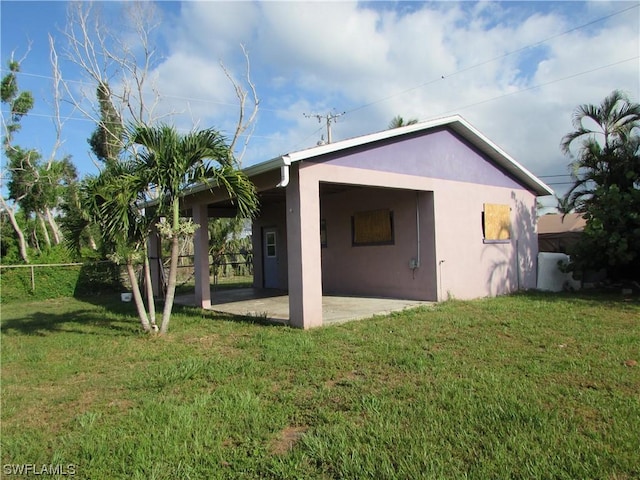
(551, 277)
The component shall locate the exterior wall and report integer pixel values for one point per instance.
(466, 266)
(454, 182)
(439, 154)
(380, 270)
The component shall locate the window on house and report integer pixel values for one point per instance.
(496, 222)
(271, 244)
(373, 227)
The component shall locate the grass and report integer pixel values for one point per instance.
(527, 386)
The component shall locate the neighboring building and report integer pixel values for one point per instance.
(427, 211)
(558, 233)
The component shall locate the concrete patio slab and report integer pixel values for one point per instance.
(274, 305)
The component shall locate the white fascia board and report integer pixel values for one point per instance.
(459, 125)
(253, 170)
(370, 138)
(456, 122)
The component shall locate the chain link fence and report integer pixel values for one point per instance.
(54, 280)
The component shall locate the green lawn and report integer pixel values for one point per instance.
(528, 386)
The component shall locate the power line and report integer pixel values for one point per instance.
(462, 70)
(485, 62)
(176, 97)
(540, 85)
(329, 118)
(521, 49)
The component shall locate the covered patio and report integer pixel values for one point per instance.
(375, 224)
(273, 305)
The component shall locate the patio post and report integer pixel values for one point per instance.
(303, 250)
(201, 256)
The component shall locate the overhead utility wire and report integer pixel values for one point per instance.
(540, 85)
(471, 67)
(533, 87)
(82, 82)
(176, 97)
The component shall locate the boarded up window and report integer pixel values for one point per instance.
(497, 222)
(373, 227)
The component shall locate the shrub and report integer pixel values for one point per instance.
(17, 284)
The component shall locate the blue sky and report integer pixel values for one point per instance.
(372, 60)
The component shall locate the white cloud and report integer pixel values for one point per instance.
(309, 57)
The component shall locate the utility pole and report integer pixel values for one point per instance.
(329, 117)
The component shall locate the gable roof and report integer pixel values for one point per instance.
(456, 123)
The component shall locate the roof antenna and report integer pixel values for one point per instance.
(329, 117)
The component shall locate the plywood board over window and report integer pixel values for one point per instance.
(373, 227)
(497, 222)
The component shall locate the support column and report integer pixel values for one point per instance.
(201, 256)
(154, 248)
(303, 251)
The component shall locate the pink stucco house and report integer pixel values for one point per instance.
(426, 212)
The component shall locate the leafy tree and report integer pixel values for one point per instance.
(106, 140)
(175, 162)
(398, 121)
(35, 185)
(19, 104)
(226, 241)
(563, 205)
(606, 189)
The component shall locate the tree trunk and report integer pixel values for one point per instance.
(149, 288)
(55, 229)
(92, 242)
(171, 284)
(22, 243)
(142, 313)
(43, 226)
(34, 239)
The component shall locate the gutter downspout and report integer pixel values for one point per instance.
(414, 263)
(284, 172)
(418, 229)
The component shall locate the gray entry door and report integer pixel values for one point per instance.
(270, 257)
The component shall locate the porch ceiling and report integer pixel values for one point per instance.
(225, 207)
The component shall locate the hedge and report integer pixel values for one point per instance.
(59, 281)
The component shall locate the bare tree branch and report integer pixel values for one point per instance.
(57, 122)
(108, 60)
(242, 93)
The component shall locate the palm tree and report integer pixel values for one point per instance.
(398, 121)
(605, 149)
(176, 162)
(112, 201)
(563, 205)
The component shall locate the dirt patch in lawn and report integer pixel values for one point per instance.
(287, 439)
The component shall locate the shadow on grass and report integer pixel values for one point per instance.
(608, 297)
(212, 315)
(110, 320)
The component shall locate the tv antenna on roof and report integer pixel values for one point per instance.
(329, 117)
